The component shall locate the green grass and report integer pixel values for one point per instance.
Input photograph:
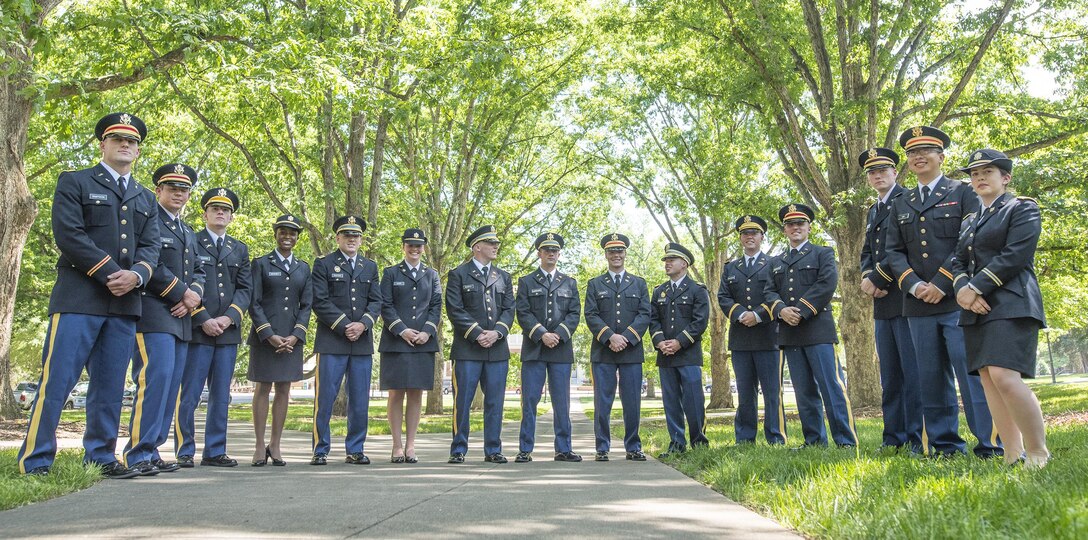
(833, 493)
(68, 474)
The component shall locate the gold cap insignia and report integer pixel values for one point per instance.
(491, 229)
(615, 236)
(872, 153)
(917, 132)
(179, 168)
(747, 219)
(793, 208)
(351, 219)
(415, 235)
(551, 236)
(222, 192)
(978, 156)
(290, 218)
(126, 119)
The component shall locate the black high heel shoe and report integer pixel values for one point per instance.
(275, 462)
(396, 459)
(261, 462)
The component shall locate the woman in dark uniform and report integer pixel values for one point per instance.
(1003, 307)
(411, 308)
(281, 313)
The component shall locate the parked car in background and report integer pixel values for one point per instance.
(77, 398)
(25, 392)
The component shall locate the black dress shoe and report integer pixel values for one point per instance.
(185, 462)
(165, 466)
(637, 455)
(222, 460)
(457, 458)
(570, 457)
(117, 471)
(39, 471)
(358, 458)
(601, 456)
(523, 457)
(319, 459)
(497, 457)
(145, 468)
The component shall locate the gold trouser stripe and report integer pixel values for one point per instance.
(601, 333)
(849, 409)
(904, 276)
(97, 266)
(179, 436)
(317, 398)
(453, 382)
(781, 396)
(36, 414)
(170, 287)
(141, 392)
(925, 438)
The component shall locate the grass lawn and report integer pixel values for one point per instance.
(300, 417)
(833, 493)
(67, 475)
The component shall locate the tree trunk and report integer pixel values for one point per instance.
(720, 395)
(856, 316)
(434, 397)
(20, 208)
(651, 391)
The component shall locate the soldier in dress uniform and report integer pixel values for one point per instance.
(678, 318)
(105, 229)
(1002, 305)
(217, 332)
(757, 362)
(164, 330)
(617, 313)
(411, 313)
(548, 310)
(900, 402)
(920, 249)
(347, 302)
(480, 306)
(803, 280)
(280, 315)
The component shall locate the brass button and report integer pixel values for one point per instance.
(924, 242)
(923, 231)
(124, 208)
(124, 250)
(124, 222)
(123, 236)
(925, 255)
(923, 218)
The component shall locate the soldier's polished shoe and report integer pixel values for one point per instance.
(165, 466)
(145, 468)
(497, 457)
(637, 455)
(456, 459)
(118, 471)
(570, 457)
(523, 457)
(39, 471)
(358, 458)
(222, 460)
(319, 459)
(185, 462)
(601, 456)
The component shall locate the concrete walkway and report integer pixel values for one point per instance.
(431, 499)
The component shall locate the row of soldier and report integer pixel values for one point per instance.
(174, 300)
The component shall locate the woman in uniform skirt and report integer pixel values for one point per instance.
(411, 308)
(280, 312)
(1003, 307)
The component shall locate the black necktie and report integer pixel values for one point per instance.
(925, 193)
(750, 261)
(413, 273)
(793, 252)
(674, 286)
(286, 264)
(122, 182)
(351, 263)
(549, 278)
(880, 206)
(219, 244)
(616, 279)
(484, 271)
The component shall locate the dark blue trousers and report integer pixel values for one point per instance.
(74, 341)
(153, 367)
(604, 394)
(214, 365)
(901, 401)
(682, 395)
(331, 371)
(173, 399)
(532, 385)
(939, 349)
(819, 385)
(754, 370)
(491, 377)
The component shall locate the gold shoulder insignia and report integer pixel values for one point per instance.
(1023, 198)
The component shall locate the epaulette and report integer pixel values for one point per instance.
(1023, 198)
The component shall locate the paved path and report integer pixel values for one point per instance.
(431, 499)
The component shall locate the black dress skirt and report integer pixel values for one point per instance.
(1007, 343)
(406, 371)
(267, 367)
